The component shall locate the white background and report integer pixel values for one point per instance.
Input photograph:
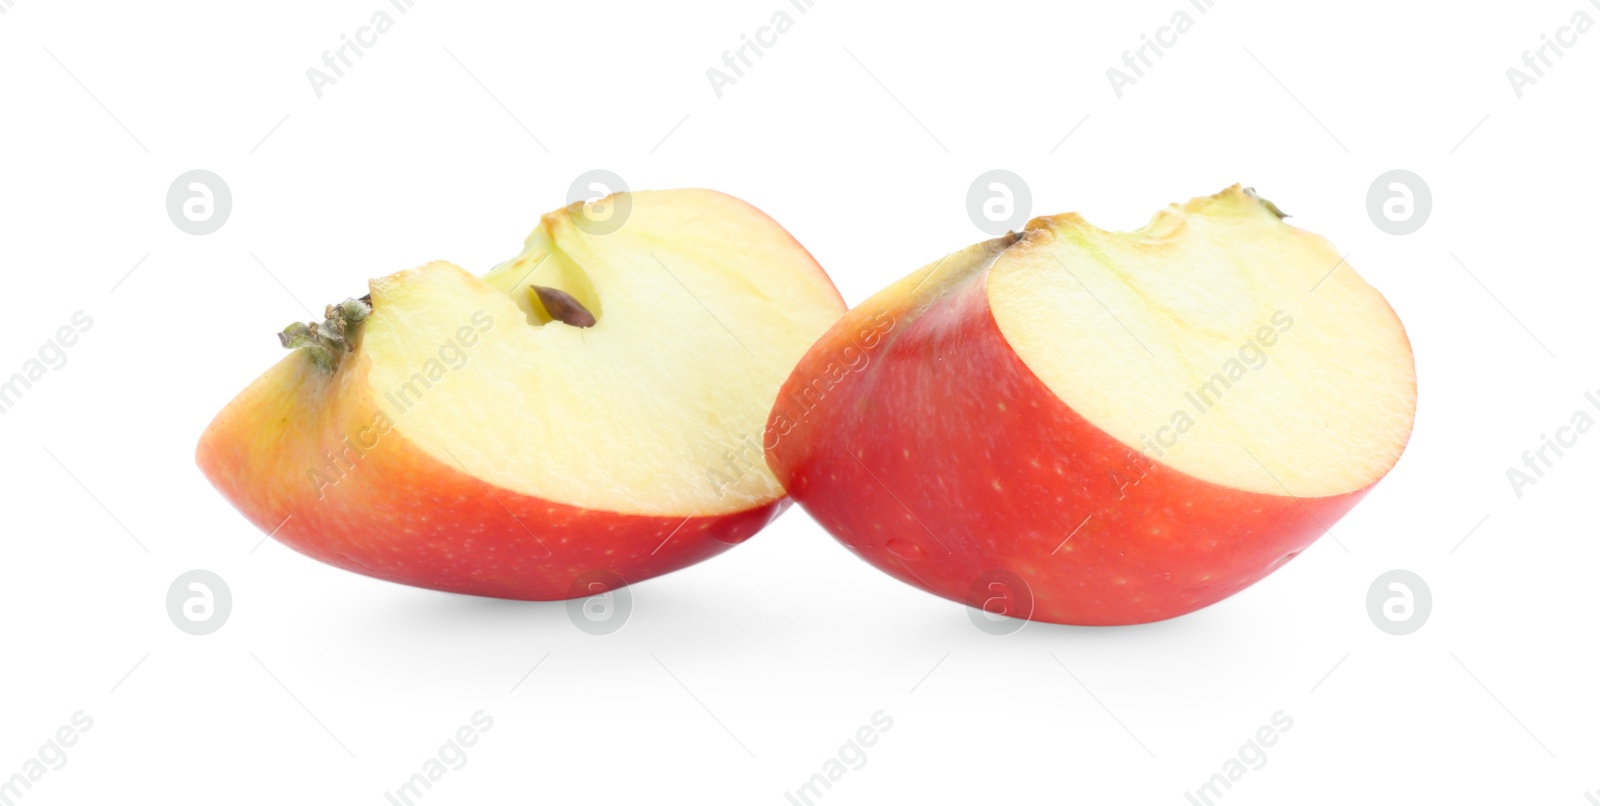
(860, 131)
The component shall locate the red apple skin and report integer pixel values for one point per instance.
(914, 434)
(399, 514)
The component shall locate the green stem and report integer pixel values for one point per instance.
(327, 342)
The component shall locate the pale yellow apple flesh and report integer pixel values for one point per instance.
(701, 310)
(1280, 366)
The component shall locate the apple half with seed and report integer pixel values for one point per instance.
(586, 415)
(1088, 427)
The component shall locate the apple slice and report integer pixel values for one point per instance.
(1091, 427)
(588, 414)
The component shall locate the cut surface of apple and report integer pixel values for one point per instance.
(1128, 426)
(1130, 328)
(594, 405)
(699, 317)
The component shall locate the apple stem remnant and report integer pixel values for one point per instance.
(1271, 208)
(328, 342)
(563, 307)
